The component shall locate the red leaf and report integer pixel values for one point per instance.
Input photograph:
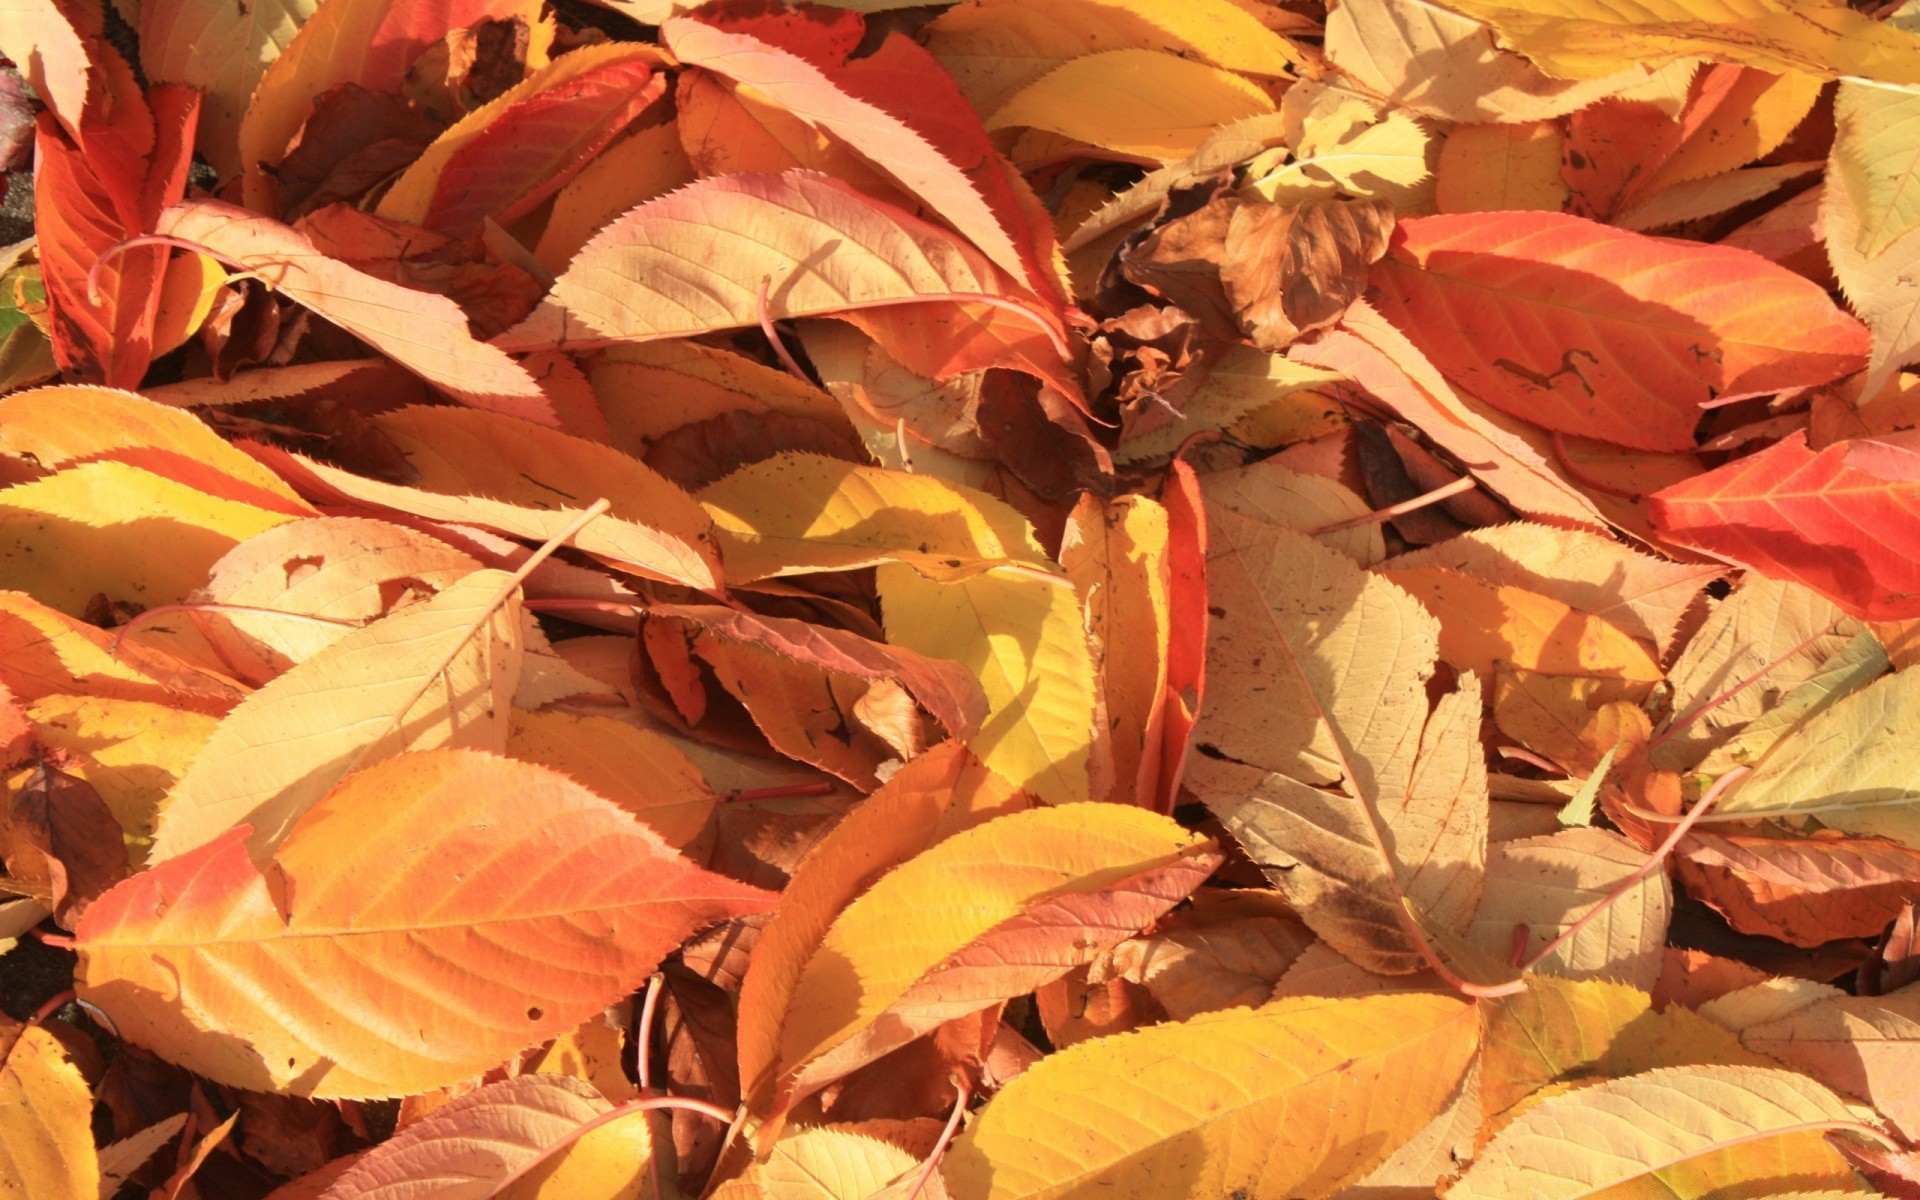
(1590, 330)
(130, 164)
(1816, 519)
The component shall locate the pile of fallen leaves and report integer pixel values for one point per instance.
(1008, 600)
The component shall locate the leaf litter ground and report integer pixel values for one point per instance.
(999, 600)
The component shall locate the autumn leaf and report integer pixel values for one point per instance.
(435, 674)
(582, 899)
(1303, 1097)
(1523, 276)
(49, 1146)
(1690, 1128)
(635, 280)
(1351, 653)
(1056, 886)
(470, 1147)
(358, 42)
(434, 343)
(481, 168)
(994, 600)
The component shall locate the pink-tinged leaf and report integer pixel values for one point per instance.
(464, 1150)
(1590, 330)
(724, 252)
(424, 333)
(1813, 518)
(432, 916)
(900, 110)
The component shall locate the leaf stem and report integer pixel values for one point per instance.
(1706, 706)
(643, 1061)
(158, 239)
(773, 335)
(1656, 859)
(961, 1094)
(1531, 759)
(566, 1140)
(1465, 483)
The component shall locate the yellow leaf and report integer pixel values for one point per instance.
(1318, 676)
(1882, 289)
(993, 48)
(46, 1123)
(648, 389)
(1025, 640)
(676, 556)
(821, 1164)
(56, 426)
(1876, 155)
(1494, 168)
(44, 651)
(1855, 766)
(593, 1053)
(467, 1146)
(1301, 501)
(1697, 198)
(1864, 1046)
(1240, 387)
(1783, 629)
(1116, 555)
(454, 659)
(1550, 1031)
(988, 914)
(936, 795)
(1642, 595)
(1387, 159)
(221, 50)
(1585, 39)
(119, 531)
(694, 261)
(797, 513)
(1749, 121)
(635, 768)
(1684, 1132)
(1297, 1098)
(1442, 65)
(344, 570)
(1140, 104)
(1548, 883)
(193, 282)
(131, 751)
(470, 452)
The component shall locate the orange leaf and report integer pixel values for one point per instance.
(430, 917)
(1590, 330)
